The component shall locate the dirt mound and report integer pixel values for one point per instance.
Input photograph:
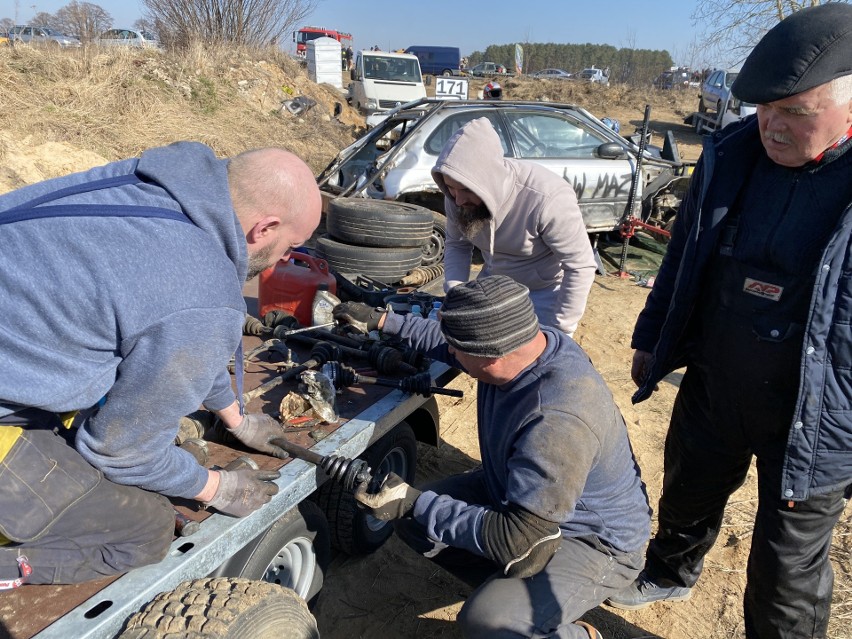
(70, 110)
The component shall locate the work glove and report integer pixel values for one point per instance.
(519, 541)
(243, 491)
(364, 317)
(394, 499)
(256, 430)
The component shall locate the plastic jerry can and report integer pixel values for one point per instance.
(291, 286)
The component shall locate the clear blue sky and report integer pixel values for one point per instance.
(470, 25)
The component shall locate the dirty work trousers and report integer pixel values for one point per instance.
(707, 456)
(581, 575)
(70, 522)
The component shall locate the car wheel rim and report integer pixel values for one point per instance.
(294, 566)
(394, 462)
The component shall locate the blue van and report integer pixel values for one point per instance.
(437, 60)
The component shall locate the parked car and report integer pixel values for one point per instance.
(128, 38)
(716, 91)
(42, 36)
(552, 74)
(393, 161)
(487, 68)
(673, 79)
(594, 75)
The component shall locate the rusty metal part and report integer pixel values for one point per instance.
(241, 462)
(194, 426)
(422, 275)
(198, 449)
(184, 526)
(349, 473)
(321, 353)
(253, 326)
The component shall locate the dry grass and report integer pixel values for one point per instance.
(117, 104)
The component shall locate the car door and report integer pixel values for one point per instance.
(568, 146)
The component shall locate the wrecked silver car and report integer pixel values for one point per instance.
(393, 160)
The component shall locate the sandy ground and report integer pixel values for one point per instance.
(393, 592)
(396, 593)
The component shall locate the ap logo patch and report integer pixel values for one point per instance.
(763, 289)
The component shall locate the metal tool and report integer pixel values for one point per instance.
(349, 473)
(286, 332)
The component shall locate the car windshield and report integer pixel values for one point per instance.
(379, 67)
(147, 35)
(52, 32)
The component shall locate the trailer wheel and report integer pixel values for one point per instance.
(367, 222)
(293, 552)
(384, 264)
(224, 608)
(353, 531)
(433, 250)
(702, 108)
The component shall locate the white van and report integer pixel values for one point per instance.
(381, 81)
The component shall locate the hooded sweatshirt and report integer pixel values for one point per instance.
(139, 315)
(536, 233)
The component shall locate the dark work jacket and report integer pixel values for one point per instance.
(818, 457)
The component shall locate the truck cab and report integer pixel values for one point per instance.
(381, 81)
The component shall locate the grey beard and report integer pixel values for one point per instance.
(258, 262)
(472, 219)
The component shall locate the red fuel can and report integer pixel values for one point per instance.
(291, 285)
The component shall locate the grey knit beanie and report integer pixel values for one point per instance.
(488, 317)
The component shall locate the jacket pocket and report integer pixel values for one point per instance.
(41, 477)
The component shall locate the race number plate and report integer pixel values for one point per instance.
(451, 88)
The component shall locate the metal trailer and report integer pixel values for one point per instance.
(99, 610)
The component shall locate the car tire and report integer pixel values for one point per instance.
(366, 222)
(294, 552)
(387, 265)
(446, 73)
(352, 530)
(433, 250)
(235, 608)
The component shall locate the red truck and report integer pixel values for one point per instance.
(306, 34)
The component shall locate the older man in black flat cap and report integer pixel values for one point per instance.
(754, 297)
(557, 473)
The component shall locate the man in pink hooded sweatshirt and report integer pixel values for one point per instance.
(524, 219)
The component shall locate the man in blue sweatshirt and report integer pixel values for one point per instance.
(121, 298)
(555, 519)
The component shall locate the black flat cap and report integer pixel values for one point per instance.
(808, 48)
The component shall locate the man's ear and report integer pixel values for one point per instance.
(262, 229)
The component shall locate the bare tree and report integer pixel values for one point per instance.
(83, 19)
(246, 22)
(730, 28)
(6, 25)
(44, 19)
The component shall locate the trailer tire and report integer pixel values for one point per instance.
(293, 552)
(223, 608)
(379, 223)
(352, 530)
(384, 264)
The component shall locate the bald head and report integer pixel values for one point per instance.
(277, 202)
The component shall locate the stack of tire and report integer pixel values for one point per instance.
(378, 239)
